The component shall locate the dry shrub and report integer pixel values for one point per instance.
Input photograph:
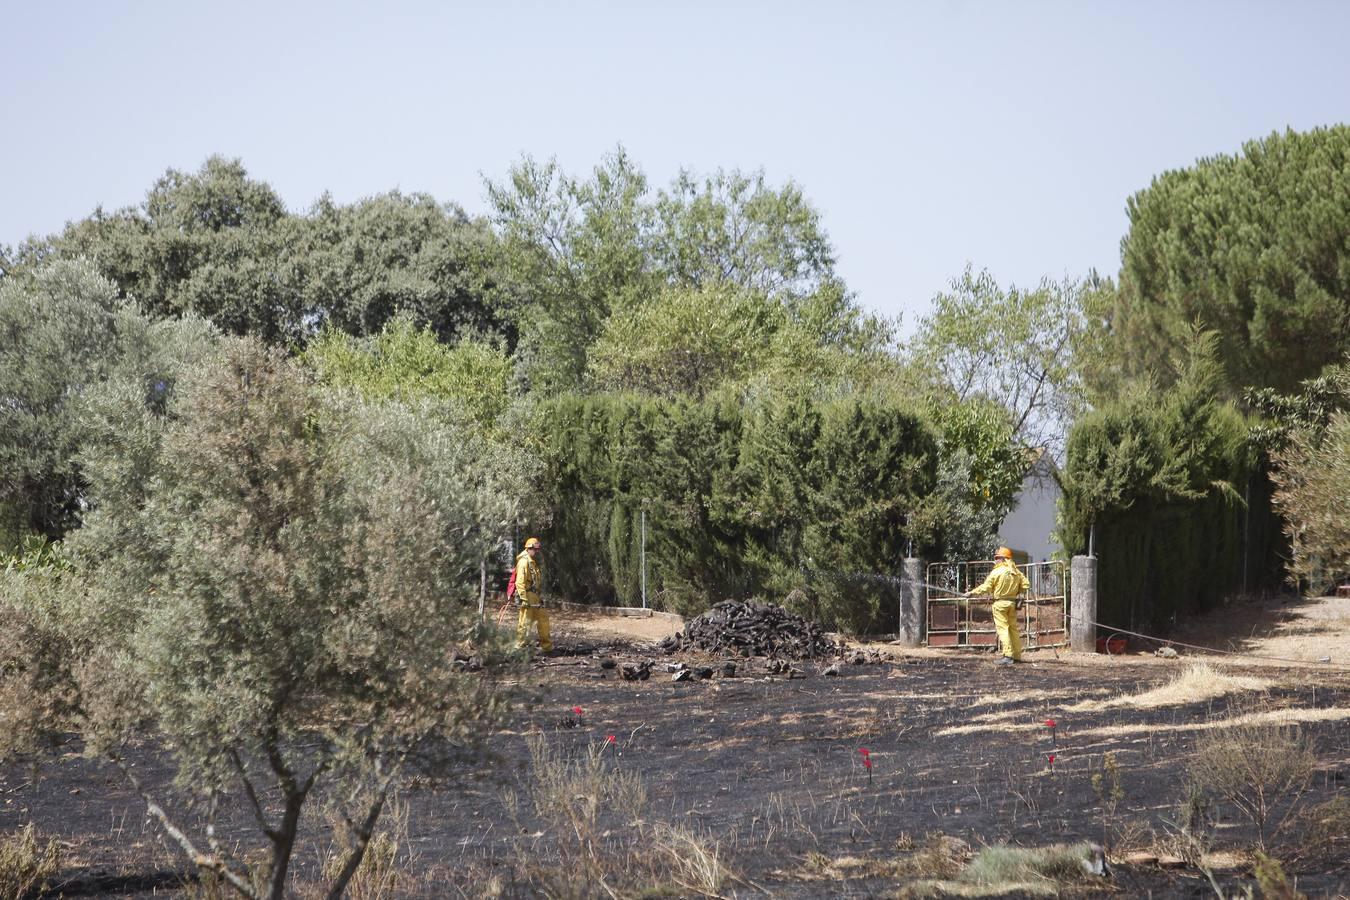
(695, 859)
(1274, 884)
(1190, 833)
(593, 812)
(576, 792)
(1106, 785)
(25, 865)
(1133, 834)
(255, 867)
(1326, 830)
(1262, 771)
(385, 866)
(476, 880)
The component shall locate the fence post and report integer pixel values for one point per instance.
(482, 589)
(913, 608)
(1083, 604)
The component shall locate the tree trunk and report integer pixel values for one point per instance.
(363, 833)
(283, 843)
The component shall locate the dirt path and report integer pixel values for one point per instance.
(1306, 630)
(605, 628)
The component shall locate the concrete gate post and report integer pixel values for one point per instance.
(1083, 604)
(913, 607)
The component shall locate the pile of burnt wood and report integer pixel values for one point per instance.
(752, 629)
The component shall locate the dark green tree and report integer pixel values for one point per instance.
(221, 245)
(401, 254)
(1253, 247)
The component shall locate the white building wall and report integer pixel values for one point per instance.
(1032, 522)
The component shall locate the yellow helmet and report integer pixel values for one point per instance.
(533, 542)
(1003, 553)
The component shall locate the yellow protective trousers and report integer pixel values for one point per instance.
(1005, 621)
(539, 616)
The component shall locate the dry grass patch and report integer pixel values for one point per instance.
(596, 837)
(1022, 698)
(1199, 682)
(695, 861)
(990, 726)
(1287, 716)
(1032, 865)
(941, 856)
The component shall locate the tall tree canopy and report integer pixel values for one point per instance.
(220, 244)
(1011, 347)
(1255, 247)
(578, 251)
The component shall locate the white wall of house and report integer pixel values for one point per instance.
(1029, 526)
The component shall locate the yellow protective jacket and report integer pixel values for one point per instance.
(529, 581)
(1005, 582)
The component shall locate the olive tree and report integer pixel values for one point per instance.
(273, 583)
(63, 333)
(1312, 479)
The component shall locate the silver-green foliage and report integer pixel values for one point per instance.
(1313, 481)
(64, 335)
(276, 591)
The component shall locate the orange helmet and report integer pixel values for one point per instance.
(533, 542)
(1003, 553)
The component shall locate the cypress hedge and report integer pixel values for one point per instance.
(1180, 499)
(785, 498)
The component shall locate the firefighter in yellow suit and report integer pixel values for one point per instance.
(530, 596)
(1005, 584)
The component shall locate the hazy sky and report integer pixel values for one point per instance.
(929, 135)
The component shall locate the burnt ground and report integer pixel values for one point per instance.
(767, 768)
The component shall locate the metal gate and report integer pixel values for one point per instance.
(955, 621)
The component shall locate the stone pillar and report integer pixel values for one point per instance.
(1083, 604)
(913, 605)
